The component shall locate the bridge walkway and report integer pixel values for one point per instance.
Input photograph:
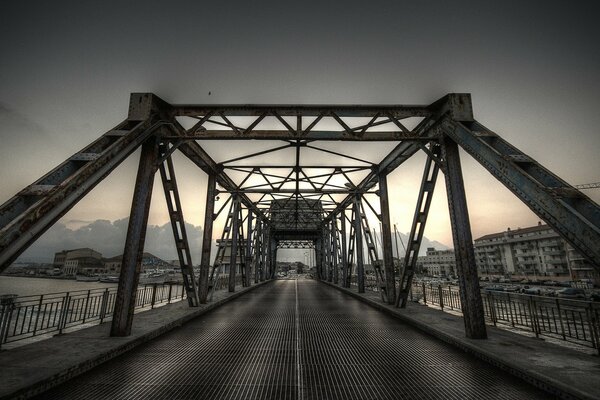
(295, 340)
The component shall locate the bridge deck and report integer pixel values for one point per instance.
(293, 340)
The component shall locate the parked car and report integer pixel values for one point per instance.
(595, 296)
(571, 293)
(565, 284)
(494, 288)
(535, 290)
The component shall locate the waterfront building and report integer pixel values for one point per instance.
(83, 260)
(531, 252)
(440, 263)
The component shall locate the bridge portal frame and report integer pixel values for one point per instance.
(153, 124)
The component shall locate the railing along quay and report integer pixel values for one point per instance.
(575, 321)
(28, 316)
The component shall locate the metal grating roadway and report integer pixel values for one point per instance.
(295, 340)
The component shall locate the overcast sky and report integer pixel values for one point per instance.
(532, 68)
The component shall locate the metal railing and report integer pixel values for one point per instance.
(28, 316)
(574, 321)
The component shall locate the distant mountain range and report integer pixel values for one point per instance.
(109, 238)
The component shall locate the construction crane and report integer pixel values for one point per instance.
(594, 185)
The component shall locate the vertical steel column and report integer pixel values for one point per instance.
(209, 216)
(257, 249)
(329, 244)
(264, 256)
(134, 243)
(360, 266)
(386, 240)
(167, 175)
(319, 258)
(418, 225)
(249, 251)
(336, 250)
(345, 275)
(235, 231)
(470, 295)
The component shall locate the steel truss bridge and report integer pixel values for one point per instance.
(315, 195)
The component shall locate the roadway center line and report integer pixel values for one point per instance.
(298, 360)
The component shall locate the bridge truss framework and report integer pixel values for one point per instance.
(294, 204)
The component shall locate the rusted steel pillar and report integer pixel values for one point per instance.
(470, 295)
(345, 275)
(319, 258)
(249, 252)
(207, 238)
(235, 237)
(386, 240)
(134, 243)
(336, 250)
(360, 266)
(257, 249)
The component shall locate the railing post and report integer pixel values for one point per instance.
(593, 326)
(154, 285)
(170, 291)
(62, 322)
(424, 295)
(85, 310)
(560, 318)
(104, 305)
(492, 306)
(37, 316)
(533, 317)
(7, 302)
(440, 295)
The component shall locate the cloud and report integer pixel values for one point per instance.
(109, 239)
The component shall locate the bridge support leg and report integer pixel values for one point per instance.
(360, 266)
(345, 276)
(134, 243)
(235, 241)
(209, 213)
(273, 263)
(336, 250)
(386, 236)
(249, 251)
(470, 295)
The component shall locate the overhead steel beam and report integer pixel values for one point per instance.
(454, 105)
(26, 216)
(237, 110)
(567, 210)
(369, 136)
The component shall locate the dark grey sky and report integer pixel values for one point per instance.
(533, 69)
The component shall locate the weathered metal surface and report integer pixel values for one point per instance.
(134, 242)
(207, 238)
(345, 274)
(375, 136)
(237, 110)
(30, 213)
(358, 242)
(235, 242)
(570, 212)
(417, 229)
(386, 234)
(169, 182)
(470, 295)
